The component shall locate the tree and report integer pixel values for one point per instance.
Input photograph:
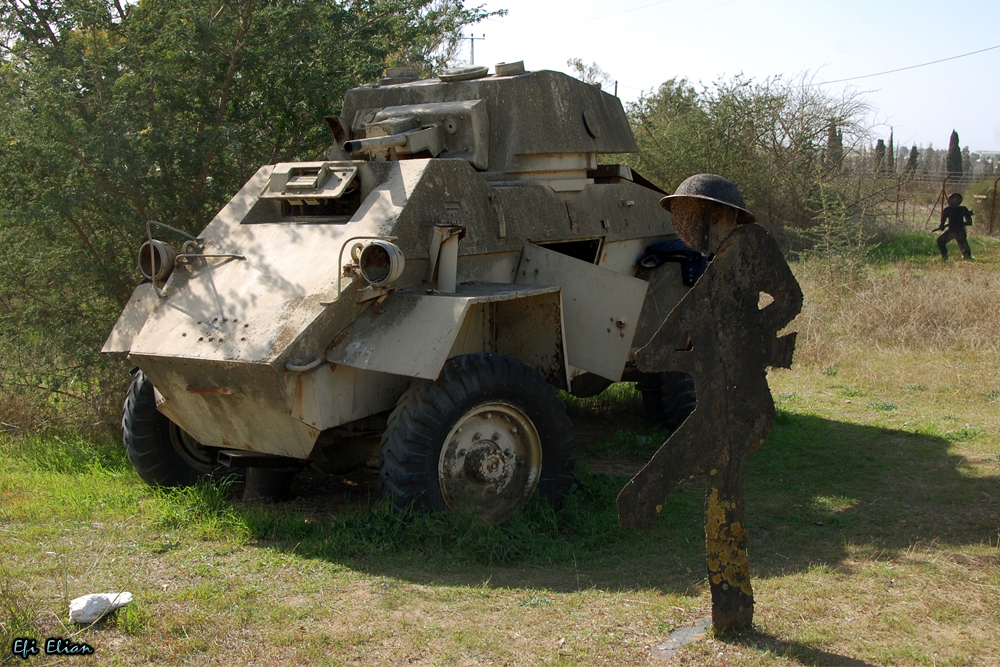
(591, 73)
(766, 136)
(953, 163)
(911, 161)
(117, 113)
(880, 161)
(667, 125)
(891, 154)
(930, 165)
(834, 146)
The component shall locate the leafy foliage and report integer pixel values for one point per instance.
(796, 152)
(115, 114)
(591, 73)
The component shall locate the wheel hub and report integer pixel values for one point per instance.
(490, 462)
(193, 453)
(487, 463)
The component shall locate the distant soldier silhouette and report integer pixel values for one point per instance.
(721, 336)
(958, 218)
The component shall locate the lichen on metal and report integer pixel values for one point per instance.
(719, 334)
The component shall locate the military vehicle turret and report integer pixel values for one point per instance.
(418, 296)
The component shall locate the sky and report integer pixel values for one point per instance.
(642, 43)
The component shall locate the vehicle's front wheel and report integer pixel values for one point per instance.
(159, 450)
(668, 397)
(484, 438)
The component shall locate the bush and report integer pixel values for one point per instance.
(981, 208)
(797, 152)
(118, 113)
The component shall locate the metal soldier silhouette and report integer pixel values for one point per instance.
(720, 335)
(958, 218)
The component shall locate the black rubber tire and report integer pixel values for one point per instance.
(428, 411)
(158, 449)
(668, 397)
(650, 386)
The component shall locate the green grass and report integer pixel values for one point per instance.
(17, 609)
(871, 510)
(611, 398)
(905, 246)
(830, 502)
(921, 246)
(884, 406)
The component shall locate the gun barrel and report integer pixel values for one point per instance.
(376, 143)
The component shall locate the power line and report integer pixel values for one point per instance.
(903, 69)
(671, 19)
(652, 4)
(866, 76)
(624, 11)
(699, 11)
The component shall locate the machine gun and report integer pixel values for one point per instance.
(402, 136)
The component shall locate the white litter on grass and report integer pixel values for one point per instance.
(89, 608)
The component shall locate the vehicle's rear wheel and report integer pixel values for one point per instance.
(668, 397)
(161, 452)
(484, 438)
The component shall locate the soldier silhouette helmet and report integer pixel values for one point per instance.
(954, 199)
(714, 188)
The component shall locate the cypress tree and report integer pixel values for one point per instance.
(953, 163)
(892, 154)
(911, 161)
(931, 164)
(834, 146)
(880, 164)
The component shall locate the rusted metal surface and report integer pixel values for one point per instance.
(600, 307)
(956, 217)
(666, 289)
(271, 299)
(491, 461)
(430, 323)
(309, 180)
(257, 418)
(224, 391)
(525, 127)
(332, 395)
(235, 458)
(942, 198)
(719, 336)
(532, 331)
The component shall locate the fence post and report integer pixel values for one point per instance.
(943, 198)
(993, 204)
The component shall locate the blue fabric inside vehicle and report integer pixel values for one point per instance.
(692, 262)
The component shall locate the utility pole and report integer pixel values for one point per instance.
(472, 48)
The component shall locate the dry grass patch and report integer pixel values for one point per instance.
(872, 514)
(915, 304)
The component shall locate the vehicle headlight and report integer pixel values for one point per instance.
(381, 263)
(156, 260)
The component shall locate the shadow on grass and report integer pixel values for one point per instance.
(802, 653)
(817, 488)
